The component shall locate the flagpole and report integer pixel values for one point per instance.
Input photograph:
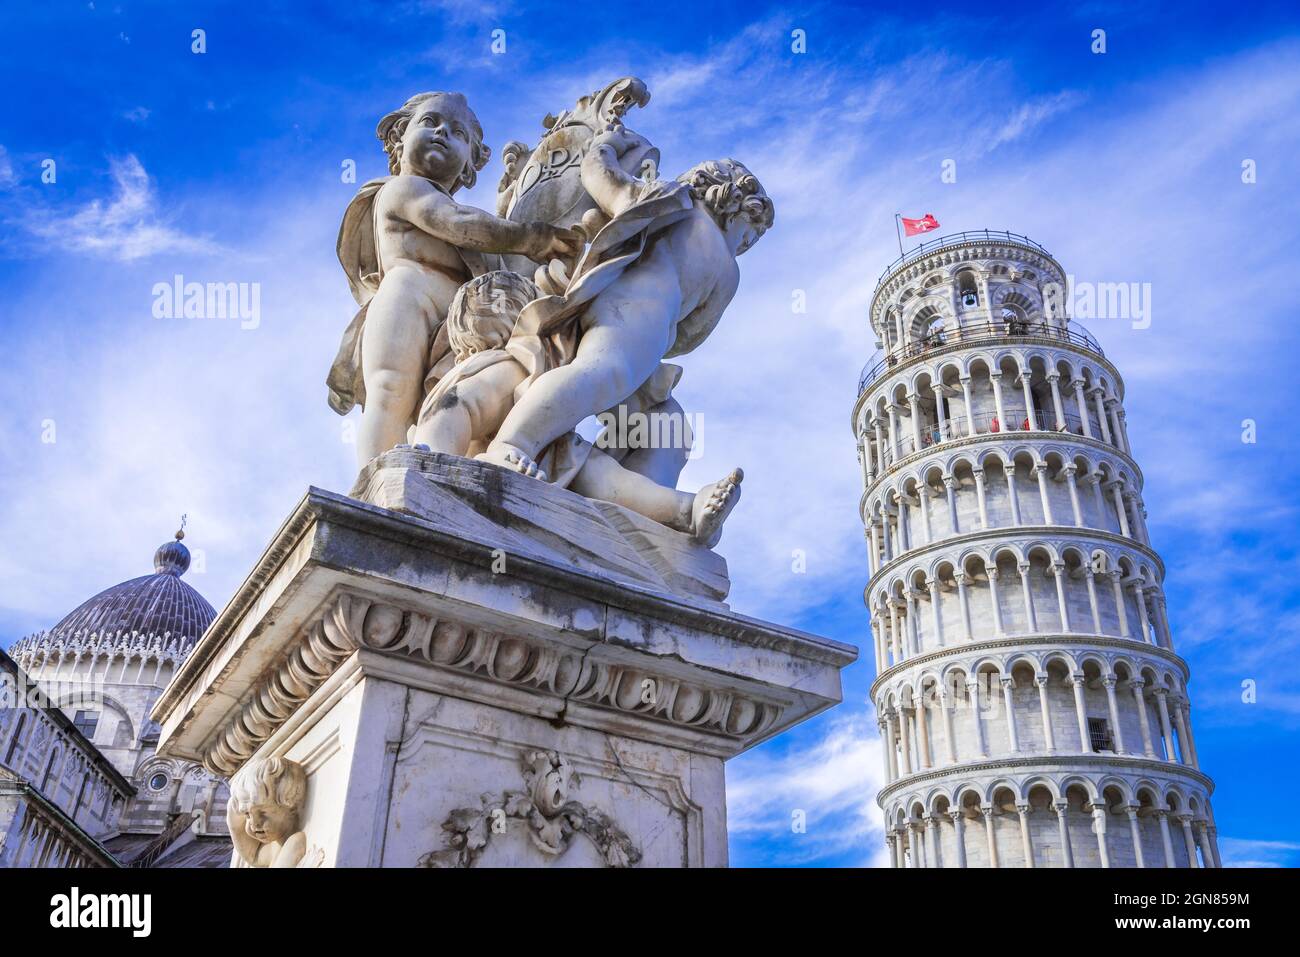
(899, 235)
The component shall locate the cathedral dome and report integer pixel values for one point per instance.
(156, 606)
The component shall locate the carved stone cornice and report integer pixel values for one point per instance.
(974, 345)
(1030, 534)
(1048, 642)
(964, 771)
(427, 604)
(350, 622)
(299, 543)
(944, 448)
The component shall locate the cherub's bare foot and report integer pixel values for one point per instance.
(509, 457)
(713, 504)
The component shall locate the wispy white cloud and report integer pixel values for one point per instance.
(1238, 852)
(462, 12)
(127, 225)
(7, 175)
(1032, 114)
(813, 802)
(149, 416)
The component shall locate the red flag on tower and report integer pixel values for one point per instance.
(914, 227)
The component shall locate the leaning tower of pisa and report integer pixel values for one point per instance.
(1033, 708)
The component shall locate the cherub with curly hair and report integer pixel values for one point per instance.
(264, 813)
(407, 246)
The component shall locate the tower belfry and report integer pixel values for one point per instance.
(1033, 708)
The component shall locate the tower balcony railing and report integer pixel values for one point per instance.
(973, 335)
(982, 423)
(954, 239)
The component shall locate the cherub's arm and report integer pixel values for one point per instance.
(469, 228)
(243, 841)
(292, 851)
(611, 186)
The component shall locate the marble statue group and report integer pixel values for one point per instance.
(494, 335)
(385, 690)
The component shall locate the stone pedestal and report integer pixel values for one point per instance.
(473, 667)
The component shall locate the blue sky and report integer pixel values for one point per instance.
(225, 167)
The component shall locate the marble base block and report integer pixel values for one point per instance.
(475, 668)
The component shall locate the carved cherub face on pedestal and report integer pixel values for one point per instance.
(265, 807)
(270, 823)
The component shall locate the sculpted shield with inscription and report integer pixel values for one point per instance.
(543, 184)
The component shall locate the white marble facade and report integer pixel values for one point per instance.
(59, 797)
(80, 761)
(1034, 708)
(116, 680)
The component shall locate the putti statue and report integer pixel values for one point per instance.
(500, 594)
(508, 366)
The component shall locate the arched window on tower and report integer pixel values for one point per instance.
(1099, 735)
(966, 290)
(1014, 318)
(927, 327)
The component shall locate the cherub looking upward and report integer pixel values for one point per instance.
(407, 246)
(654, 282)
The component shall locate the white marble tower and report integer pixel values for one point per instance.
(1034, 708)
